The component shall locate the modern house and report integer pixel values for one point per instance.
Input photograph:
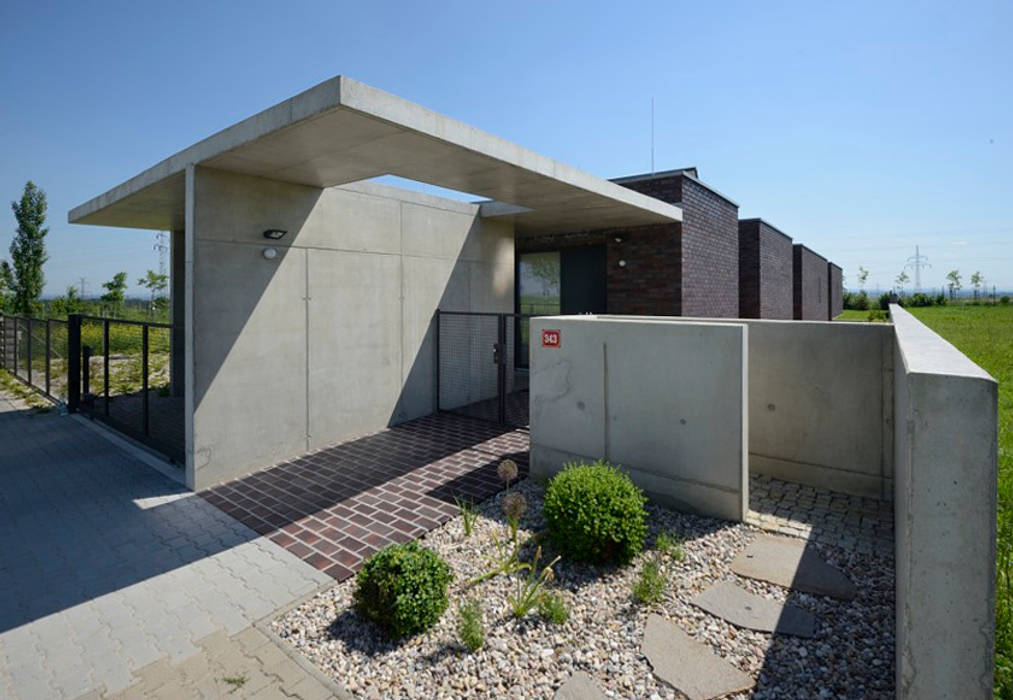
(810, 285)
(765, 271)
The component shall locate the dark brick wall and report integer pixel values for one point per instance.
(765, 271)
(710, 243)
(650, 282)
(836, 294)
(810, 284)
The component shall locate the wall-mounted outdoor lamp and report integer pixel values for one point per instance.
(270, 253)
(274, 234)
(619, 239)
(622, 263)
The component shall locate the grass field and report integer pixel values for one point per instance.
(985, 334)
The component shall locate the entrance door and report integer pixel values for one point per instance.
(582, 280)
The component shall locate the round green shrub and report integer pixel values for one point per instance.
(595, 513)
(403, 589)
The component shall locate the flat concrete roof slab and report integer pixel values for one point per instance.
(744, 609)
(687, 665)
(344, 131)
(788, 562)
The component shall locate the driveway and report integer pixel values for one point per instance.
(114, 578)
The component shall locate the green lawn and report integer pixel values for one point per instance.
(856, 315)
(985, 334)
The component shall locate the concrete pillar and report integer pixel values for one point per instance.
(177, 300)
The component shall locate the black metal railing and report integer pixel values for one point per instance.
(481, 368)
(126, 379)
(35, 350)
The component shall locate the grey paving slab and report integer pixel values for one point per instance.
(744, 609)
(687, 665)
(108, 566)
(791, 563)
(579, 686)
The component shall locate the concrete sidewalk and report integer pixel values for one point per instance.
(114, 579)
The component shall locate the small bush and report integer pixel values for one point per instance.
(403, 589)
(469, 627)
(884, 302)
(650, 585)
(877, 315)
(1004, 300)
(552, 608)
(595, 513)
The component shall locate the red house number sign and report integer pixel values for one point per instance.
(550, 338)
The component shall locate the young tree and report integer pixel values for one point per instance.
(953, 282)
(156, 284)
(28, 249)
(115, 292)
(863, 275)
(977, 279)
(902, 280)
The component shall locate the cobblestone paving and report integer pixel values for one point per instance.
(851, 522)
(107, 566)
(334, 507)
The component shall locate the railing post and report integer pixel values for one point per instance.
(501, 368)
(73, 362)
(48, 350)
(29, 321)
(144, 379)
(105, 365)
(15, 367)
(436, 348)
(3, 341)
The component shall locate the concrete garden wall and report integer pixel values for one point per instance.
(666, 399)
(333, 338)
(945, 516)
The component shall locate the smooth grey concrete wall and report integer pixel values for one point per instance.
(945, 516)
(821, 404)
(333, 338)
(665, 399)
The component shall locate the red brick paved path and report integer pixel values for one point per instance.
(335, 507)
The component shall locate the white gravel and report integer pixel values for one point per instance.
(851, 656)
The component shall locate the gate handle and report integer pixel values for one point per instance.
(497, 352)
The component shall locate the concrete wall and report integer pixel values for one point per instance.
(333, 338)
(664, 398)
(809, 271)
(765, 271)
(945, 513)
(821, 404)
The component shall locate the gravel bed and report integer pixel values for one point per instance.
(851, 656)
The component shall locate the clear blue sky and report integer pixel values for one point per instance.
(860, 129)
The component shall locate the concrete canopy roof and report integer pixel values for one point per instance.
(344, 131)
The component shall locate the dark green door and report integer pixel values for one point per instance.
(582, 280)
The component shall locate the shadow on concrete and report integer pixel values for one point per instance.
(82, 518)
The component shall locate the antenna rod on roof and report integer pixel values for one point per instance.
(652, 136)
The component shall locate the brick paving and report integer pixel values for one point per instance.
(851, 522)
(334, 507)
(108, 567)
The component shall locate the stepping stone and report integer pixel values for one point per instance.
(744, 609)
(688, 665)
(787, 562)
(579, 687)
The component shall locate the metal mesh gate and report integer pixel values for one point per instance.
(482, 366)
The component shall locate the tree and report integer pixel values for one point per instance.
(115, 292)
(977, 279)
(156, 284)
(863, 275)
(28, 250)
(902, 279)
(6, 286)
(953, 277)
(68, 304)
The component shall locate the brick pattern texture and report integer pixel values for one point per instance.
(335, 507)
(765, 271)
(810, 285)
(836, 293)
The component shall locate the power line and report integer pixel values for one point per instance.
(917, 262)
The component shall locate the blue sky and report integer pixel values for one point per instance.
(860, 129)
